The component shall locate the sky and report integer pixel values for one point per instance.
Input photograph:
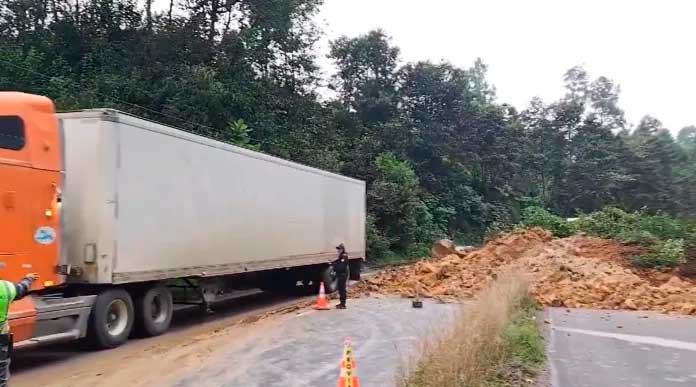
(648, 47)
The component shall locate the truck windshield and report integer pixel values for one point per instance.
(11, 133)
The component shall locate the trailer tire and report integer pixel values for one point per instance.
(329, 278)
(111, 319)
(153, 311)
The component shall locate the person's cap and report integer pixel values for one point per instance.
(340, 247)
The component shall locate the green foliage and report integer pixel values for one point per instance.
(522, 336)
(637, 236)
(492, 231)
(377, 244)
(669, 253)
(607, 223)
(638, 227)
(395, 200)
(240, 135)
(539, 217)
(665, 237)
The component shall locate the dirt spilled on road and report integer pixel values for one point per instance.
(158, 361)
(577, 271)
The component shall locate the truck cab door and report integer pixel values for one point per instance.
(14, 228)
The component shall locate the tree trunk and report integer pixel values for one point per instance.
(214, 8)
(148, 14)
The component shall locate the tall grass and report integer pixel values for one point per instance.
(471, 351)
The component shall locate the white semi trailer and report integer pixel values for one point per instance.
(152, 216)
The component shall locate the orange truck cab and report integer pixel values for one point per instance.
(30, 217)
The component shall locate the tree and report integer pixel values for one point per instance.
(685, 172)
(395, 200)
(655, 154)
(596, 176)
(366, 74)
(687, 138)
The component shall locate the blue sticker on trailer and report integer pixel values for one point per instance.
(45, 235)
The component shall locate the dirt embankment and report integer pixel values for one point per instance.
(578, 271)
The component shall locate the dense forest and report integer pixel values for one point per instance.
(440, 154)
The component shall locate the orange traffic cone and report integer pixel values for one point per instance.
(322, 302)
(349, 375)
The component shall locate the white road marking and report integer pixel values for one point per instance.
(650, 340)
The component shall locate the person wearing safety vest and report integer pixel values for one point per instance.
(9, 292)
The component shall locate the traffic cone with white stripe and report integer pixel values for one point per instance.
(349, 375)
(322, 302)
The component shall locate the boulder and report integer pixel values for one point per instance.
(442, 248)
(464, 250)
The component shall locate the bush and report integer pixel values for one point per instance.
(522, 335)
(669, 253)
(666, 237)
(497, 228)
(638, 237)
(397, 203)
(377, 243)
(539, 217)
(418, 250)
(634, 227)
(607, 223)
(662, 226)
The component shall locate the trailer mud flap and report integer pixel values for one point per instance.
(355, 268)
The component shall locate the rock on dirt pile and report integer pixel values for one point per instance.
(578, 271)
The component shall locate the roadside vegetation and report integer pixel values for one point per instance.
(493, 342)
(666, 240)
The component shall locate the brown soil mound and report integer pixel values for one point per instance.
(453, 276)
(578, 271)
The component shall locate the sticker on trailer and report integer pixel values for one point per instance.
(45, 235)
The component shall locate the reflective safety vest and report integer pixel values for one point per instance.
(8, 292)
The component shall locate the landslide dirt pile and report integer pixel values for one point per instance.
(456, 276)
(578, 271)
(591, 273)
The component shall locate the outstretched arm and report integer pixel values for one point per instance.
(24, 285)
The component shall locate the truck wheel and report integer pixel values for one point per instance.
(153, 311)
(330, 279)
(111, 320)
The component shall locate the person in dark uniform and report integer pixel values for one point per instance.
(340, 266)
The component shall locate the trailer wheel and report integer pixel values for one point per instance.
(329, 278)
(153, 311)
(111, 320)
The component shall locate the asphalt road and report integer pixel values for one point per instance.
(247, 344)
(591, 348)
(305, 349)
